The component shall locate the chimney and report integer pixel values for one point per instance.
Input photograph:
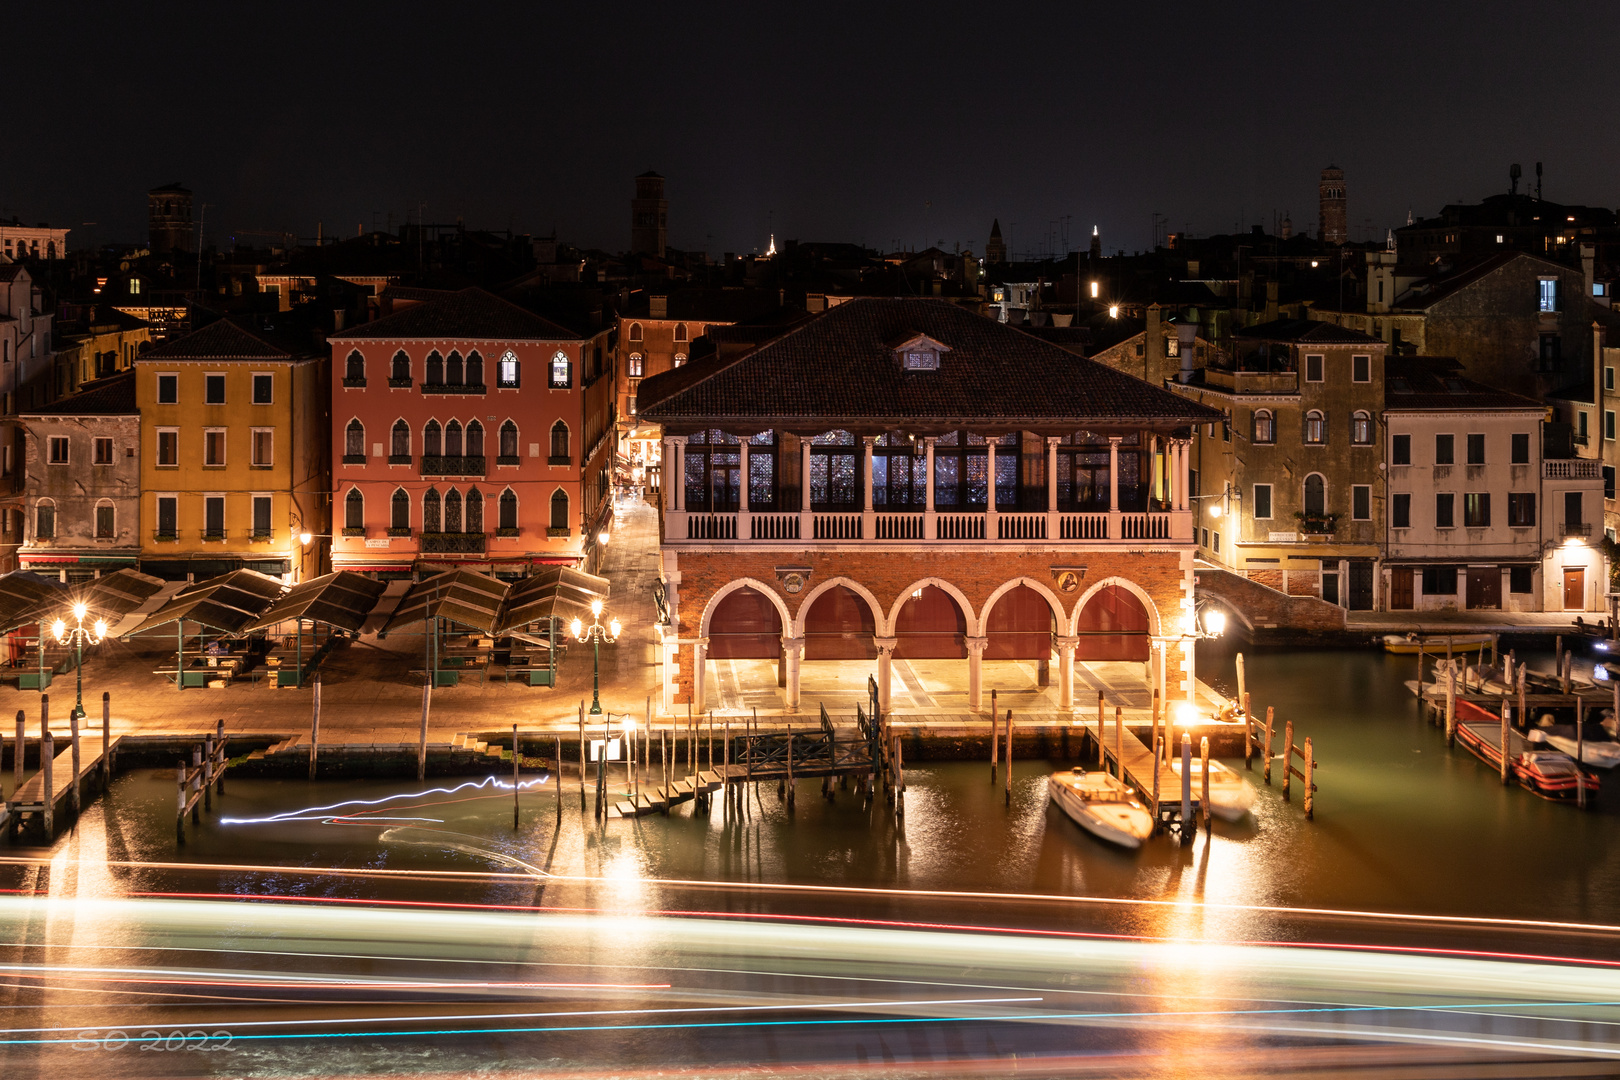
(658, 307)
(338, 315)
(1153, 345)
(1186, 332)
(1588, 265)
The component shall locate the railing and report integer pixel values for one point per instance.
(452, 465)
(1144, 526)
(898, 527)
(1021, 527)
(1575, 528)
(961, 526)
(773, 526)
(1572, 469)
(837, 526)
(711, 527)
(456, 543)
(454, 388)
(1083, 527)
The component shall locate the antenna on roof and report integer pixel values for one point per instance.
(1538, 181)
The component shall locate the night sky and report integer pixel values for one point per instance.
(872, 122)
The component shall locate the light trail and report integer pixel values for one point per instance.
(856, 890)
(317, 813)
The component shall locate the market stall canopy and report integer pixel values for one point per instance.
(459, 595)
(343, 599)
(119, 593)
(228, 603)
(559, 592)
(25, 596)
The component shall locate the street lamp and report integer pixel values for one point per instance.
(596, 633)
(78, 635)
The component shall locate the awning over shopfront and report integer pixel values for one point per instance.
(343, 599)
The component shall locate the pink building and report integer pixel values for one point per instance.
(469, 432)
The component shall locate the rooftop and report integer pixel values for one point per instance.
(112, 396)
(465, 315)
(1423, 384)
(1305, 332)
(227, 339)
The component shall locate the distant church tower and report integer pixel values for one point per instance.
(649, 215)
(995, 249)
(168, 219)
(1331, 192)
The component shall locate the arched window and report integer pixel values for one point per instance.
(475, 439)
(45, 519)
(435, 369)
(106, 520)
(354, 511)
(680, 331)
(635, 331)
(402, 368)
(1315, 494)
(354, 371)
(475, 369)
(452, 369)
(507, 370)
(452, 439)
(509, 444)
(508, 519)
(1265, 426)
(431, 445)
(400, 447)
(636, 366)
(561, 370)
(475, 511)
(452, 511)
(680, 358)
(1315, 427)
(559, 510)
(400, 511)
(559, 443)
(430, 511)
(354, 441)
(1361, 428)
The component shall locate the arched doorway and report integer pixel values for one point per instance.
(839, 626)
(1018, 649)
(745, 626)
(1113, 626)
(930, 653)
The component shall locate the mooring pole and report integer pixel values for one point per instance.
(1271, 713)
(47, 759)
(1203, 768)
(1288, 757)
(106, 739)
(1156, 752)
(1242, 696)
(1102, 752)
(219, 734)
(1310, 781)
(1009, 754)
(1451, 704)
(1580, 750)
(1504, 761)
(17, 757)
(315, 726)
(73, 733)
(1187, 825)
(515, 757)
(1420, 700)
(557, 779)
(180, 805)
(995, 735)
(582, 755)
(1524, 712)
(421, 744)
(1248, 735)
(1119, 741)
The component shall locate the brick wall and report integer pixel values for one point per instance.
(1264, 606)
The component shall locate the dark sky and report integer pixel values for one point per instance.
(871, 122)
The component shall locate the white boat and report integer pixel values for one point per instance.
(1102, 805)
(1599, 753)
(1230, 796)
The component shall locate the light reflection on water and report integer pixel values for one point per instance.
(1403, 824)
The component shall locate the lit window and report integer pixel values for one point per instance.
(560, 370)
(506, 370)
(636, 365)
(1548, 294)
(1315, 427)
(1360, 429)
(1265, 426)
(1477, 510)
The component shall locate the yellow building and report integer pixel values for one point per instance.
(234, 454)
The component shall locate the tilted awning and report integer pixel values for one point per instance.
(25, 597)
(342, 599)
(557, 592)
(228, 603)
(459, 595)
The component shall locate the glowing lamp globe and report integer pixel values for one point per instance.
(1215, 622)
(1214, 510)
(59, 628)
(101, 628)
(578, 628)
(596, 609)
(79, 611)
(613, 627)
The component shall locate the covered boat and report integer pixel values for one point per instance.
(1230, 796)
(1102, 805)
(1435, 644)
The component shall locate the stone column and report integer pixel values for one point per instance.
(990, 519)
(1065, 648)
(885, 658)
(930, 517)
(1184, 476)
(742, 478)
(1113, 473)
(792, 657)
(807, 527)
(671, 479)
(700, 654)
(975, 648)
(1052, 525)
(868, 518)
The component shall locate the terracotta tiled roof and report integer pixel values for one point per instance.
(835, 369)
(1417, 386)
(112, 396)
(225, 339)
(469, 314)
(1306, 332)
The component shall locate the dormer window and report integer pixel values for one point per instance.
(918, 352)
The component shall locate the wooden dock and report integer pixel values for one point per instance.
(61, 783)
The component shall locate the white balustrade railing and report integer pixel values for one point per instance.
(1082, 526)
(773, 526)
(1020, 526)
(960, 526)
(898, 527)
(1112, 528)
(837, 527)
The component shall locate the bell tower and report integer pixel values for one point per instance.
(1330, 191)
(649, 215)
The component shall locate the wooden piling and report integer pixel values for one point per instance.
(1119, 741)
(1580, 750)
(1242, 685)
(1203, 800)
(73, 733)
(1288, 757)
(790, 784)
(1310, 781)
(557, 777)
(180, 805)
(582, 755)
(1154, 737)
(515, 757)
(1421, 673)
(1156, 752)
(900, 777)
(47, 758)
(106, 742)
(315, 726)
(995, 735)
(196, 769)
(1524, 712)
(17, 758)
(1504, 762)
(1451, 705)
(1009, 752)
(1271, 713)
(219, 741)
(1248, 736)
(1102, 752)
(1186, 788)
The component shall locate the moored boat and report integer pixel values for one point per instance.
(1602, 753)
(1230, 796)
(1435, 644)
(1538, 771)
(1101, 805)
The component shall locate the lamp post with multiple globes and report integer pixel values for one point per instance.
(596, 633)
(78, 636)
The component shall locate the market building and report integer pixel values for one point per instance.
(906, 483)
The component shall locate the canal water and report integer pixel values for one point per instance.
(1403, 824)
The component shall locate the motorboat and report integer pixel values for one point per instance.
(1435, 644)
(1602, 752)
(1102, 805)
(1553, 775)
(1230, 796)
